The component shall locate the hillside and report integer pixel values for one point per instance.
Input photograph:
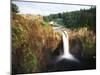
(34, 43)
(31, 43)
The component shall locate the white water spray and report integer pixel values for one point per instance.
(66, 54)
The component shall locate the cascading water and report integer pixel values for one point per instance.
(66, 53)
(65, 60)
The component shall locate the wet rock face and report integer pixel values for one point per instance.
(59, 50)
(44, 54)
(75, 46)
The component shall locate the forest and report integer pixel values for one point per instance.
(75, 19)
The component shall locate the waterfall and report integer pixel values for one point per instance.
(65, 44)
(66, 53)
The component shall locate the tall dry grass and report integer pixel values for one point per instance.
(88, 40)
(32, 44)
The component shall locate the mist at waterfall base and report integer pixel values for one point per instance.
(65, 61)
(66, 53)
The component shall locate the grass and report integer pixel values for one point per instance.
(88, 39)
(31, 38)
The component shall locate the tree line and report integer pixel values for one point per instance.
(75, 19)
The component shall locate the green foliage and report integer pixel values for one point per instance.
(45, 23)
(45, 19)
(76, 19)
(15, 8)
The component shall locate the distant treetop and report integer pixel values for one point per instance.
(15, 8)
